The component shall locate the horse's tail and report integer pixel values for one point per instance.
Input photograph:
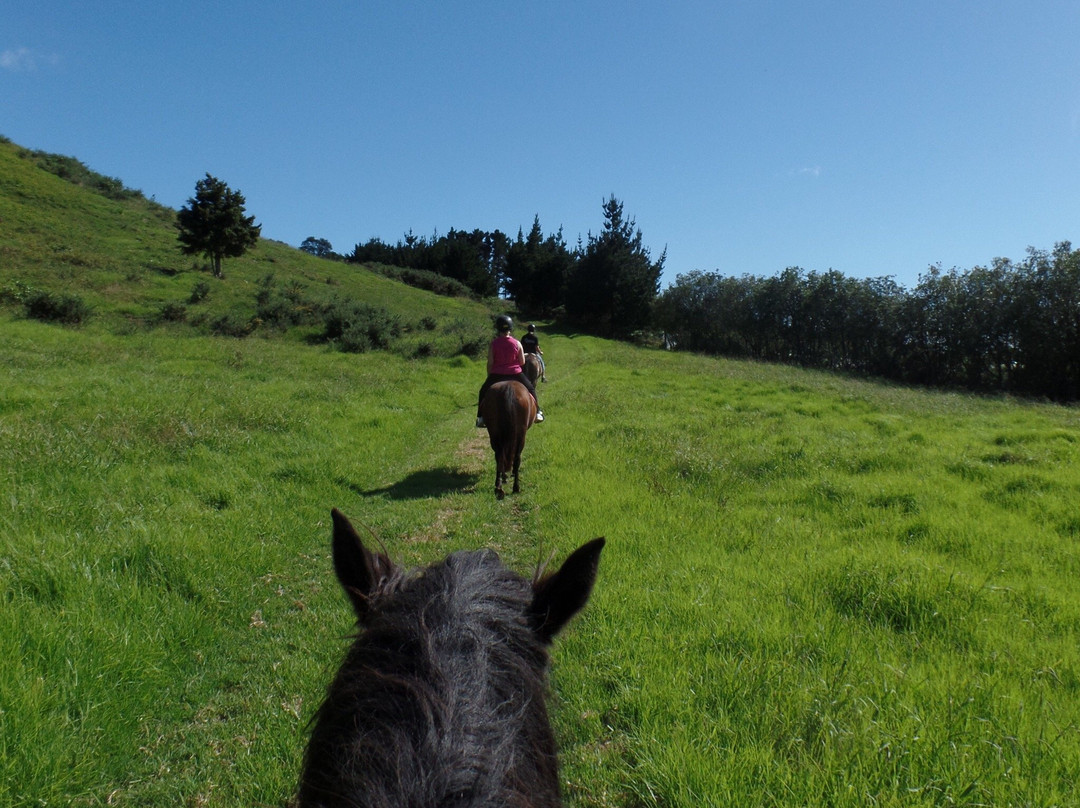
(507, 405)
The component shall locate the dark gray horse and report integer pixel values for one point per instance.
(440, 699)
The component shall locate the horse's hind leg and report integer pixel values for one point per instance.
(500, 476)
(517, 467)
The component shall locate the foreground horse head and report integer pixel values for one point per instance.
(508, 410)
(440, 700)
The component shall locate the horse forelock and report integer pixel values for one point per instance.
(440, 700)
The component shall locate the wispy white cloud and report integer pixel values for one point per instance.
(24, 60)
(809, 171)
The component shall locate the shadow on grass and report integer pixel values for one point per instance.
(420, 484)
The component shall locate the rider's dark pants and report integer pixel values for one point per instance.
(506, 377)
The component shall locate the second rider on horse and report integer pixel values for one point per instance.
(505, 362)
(530, 343)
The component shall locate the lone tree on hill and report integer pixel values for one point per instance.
(319, 247)
(213, 223)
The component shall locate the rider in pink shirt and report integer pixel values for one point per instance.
(505, 362)
(506, 357)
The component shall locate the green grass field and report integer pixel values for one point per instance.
(816, 591)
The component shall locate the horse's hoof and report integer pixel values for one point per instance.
(517, 489)
(499, 493)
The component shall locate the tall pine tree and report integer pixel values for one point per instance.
(613, 286)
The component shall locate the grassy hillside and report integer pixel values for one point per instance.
(120, 257)
(816, 591)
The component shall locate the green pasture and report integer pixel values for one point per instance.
(816, 591)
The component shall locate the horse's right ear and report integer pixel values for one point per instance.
(561, 595)
(360, 571)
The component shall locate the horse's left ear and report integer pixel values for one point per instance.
(558, 597)
(360, 571)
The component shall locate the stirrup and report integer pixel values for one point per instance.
(539, 416)
(480, 422)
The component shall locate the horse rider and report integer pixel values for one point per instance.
(530, 343)
(505, 362)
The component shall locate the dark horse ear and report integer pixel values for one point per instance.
(559, 596)
(358, 569)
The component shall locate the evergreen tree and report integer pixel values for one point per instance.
(613, 286)
(213, 223)
(536, 269)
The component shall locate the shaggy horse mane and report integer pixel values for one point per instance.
(441, 695)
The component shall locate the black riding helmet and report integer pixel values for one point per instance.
(532, 328)
(503, 324)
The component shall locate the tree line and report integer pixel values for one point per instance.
(474, 258)
(1011, 327)
(606, 285)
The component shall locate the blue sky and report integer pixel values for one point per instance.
(874, 138)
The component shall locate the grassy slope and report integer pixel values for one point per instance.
(817, 591)
(122, 258)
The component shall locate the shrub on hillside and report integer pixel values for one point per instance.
(282, 307)
(67, 309)
(357, 327)
(229, 325)
(473, 348)
(77, 173)
(199, 292)
(173, 312)
(472, 338)
(425, 279)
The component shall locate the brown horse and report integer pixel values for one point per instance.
(508, 411)
(532, 368)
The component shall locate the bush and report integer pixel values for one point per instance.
(76, 172)
(425, 279)
(67, 309)
(174, 312)
(228, 325)
(199, 292)
(357, 327)
(472, 339)
(282, 308)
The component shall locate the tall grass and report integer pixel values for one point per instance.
(816, 591)
(822, 591)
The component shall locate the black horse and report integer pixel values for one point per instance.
(440, 699)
